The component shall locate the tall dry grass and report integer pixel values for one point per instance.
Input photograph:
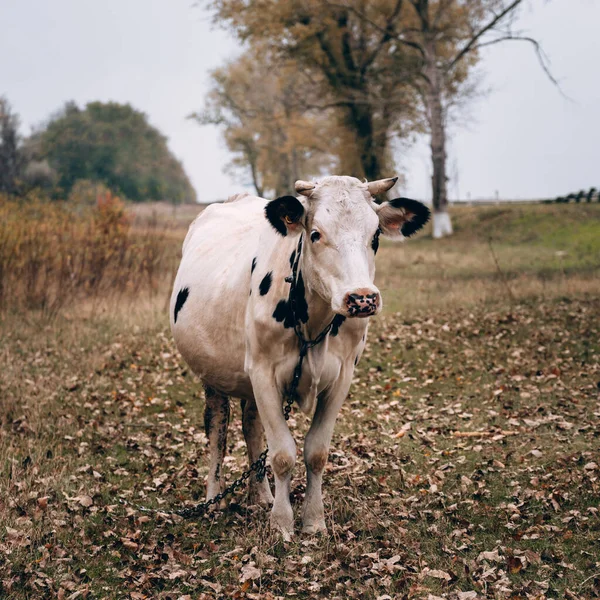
(53, 255)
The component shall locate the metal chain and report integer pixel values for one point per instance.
(260, 465)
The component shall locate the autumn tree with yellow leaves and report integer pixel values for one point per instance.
(265, 106)
(386, 67)
(350, 85)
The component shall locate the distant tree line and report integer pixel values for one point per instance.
(581, 196)
(11, 157)
(106, 144)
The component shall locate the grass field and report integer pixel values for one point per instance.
(465, 463)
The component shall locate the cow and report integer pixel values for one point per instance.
(237, 313)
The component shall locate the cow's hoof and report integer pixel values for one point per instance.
(286, 534)
(315, 527)
(285, 526)
(217, 506)
(262, 503)
(261, 495)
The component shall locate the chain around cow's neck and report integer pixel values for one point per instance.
(291, 394)
(304, 343)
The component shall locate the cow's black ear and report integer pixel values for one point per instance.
(285, 214)
(402, 217)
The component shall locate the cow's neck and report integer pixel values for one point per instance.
(320, 313)
(309, 311)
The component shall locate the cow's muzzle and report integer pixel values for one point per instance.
(362, 303)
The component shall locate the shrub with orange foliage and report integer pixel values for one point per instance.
(55, 254)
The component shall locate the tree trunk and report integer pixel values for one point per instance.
(251, 154)
(442, 225)
(255, 180)
(361, 122)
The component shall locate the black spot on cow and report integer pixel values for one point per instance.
(253, 265)
(283, 311)
(336, 324)
(182, 296)
(222, 438)
(301, 305)
(375, 241)
(356, 361)
(208, 419)
(283, 314)
(265, 284)
(292, 259)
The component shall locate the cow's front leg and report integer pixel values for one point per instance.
(282, 448)
(216, 422)
(260, 491)
(316, 451)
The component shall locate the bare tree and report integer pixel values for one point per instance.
(447, 35)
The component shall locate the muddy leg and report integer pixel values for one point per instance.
(216, 421)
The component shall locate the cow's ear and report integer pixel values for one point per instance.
(402, 217)
(285, 214)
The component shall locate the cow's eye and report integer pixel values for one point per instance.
(315, 236)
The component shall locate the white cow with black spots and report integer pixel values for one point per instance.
(233, 324)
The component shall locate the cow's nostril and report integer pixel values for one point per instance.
(362, 304)
(354, 299)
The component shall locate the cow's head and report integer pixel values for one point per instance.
(342, 225)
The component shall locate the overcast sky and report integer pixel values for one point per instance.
(524, 139)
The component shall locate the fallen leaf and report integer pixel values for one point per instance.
(249, 571)
(492, 556)
(84, 500)
(514, 564)
(437, 574)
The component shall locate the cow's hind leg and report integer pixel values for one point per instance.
(254, 434)
(216, 421)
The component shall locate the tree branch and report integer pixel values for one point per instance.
(473, 41)
(442, 7)
(385, 38)
(541, 56)
(346, 45)
(422, 9)
(379, 28)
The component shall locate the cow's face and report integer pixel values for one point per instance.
(342, 225)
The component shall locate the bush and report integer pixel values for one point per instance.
(39, 174)
(85, 193)
(54, 254)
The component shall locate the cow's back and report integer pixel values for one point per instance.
(210, 293)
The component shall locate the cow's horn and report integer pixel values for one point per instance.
(304, 187)
(379, 186)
